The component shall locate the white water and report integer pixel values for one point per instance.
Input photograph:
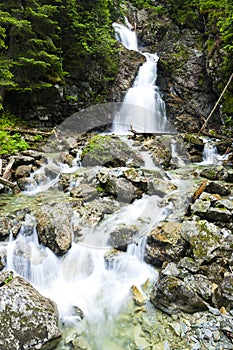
(47, 176)
(126, 36)
(143, 108)
(210, 153)
(83, 279)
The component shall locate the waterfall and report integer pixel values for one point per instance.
(126, 35)
(143, 108)
(210, 153)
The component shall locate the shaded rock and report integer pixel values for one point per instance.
(223, 295)
(172, 295)
(218, 214)
(214, 187)
(23, 160)
(53, 225)
(165, 244)
(28, 320)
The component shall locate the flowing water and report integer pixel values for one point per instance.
(92, 287)
(143, 108)
(210, 153)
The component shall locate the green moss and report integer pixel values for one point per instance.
(95, 144)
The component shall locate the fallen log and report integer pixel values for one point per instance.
(151, 133)
(7, 182)
(220, 137)
(199, 191)
(29, 131)
(6, 173)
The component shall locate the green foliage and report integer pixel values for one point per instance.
(41, 42)
(140, 4)
(11, 143)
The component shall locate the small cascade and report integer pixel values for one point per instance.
(95, 282)
(28, 258)
(47, 176)
(210, 153)
(143, 108)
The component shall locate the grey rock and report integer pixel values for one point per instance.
(28, 320)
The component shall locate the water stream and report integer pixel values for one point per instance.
(93, 287)
(143, 108)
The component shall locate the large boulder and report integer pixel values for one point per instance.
(165, 244)
(53, 225)
(28, 320)
(173, 295)
(110, 152)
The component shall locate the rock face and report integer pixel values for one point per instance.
(27, 319)
(184, 76)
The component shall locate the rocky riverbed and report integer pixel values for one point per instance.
(189, 234)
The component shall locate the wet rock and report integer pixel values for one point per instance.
(53, 226)
(161, 154)
(165, 244)
(138, 295)
(85, 192)
(109, 152)
(123, 235)
(8, 225)
(28, 320)
(23, 171)
(217, 172)
(136, 177)
(122, 190)
(160, 187)
(172, 295)
(26, 182)
(33, 153)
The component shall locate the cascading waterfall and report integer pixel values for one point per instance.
(143, 108)
(95, 281)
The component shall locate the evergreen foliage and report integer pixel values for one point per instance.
(42, 41)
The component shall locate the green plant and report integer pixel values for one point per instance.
(10, 144)
(38, 137)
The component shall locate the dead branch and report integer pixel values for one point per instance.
(216, 104)
(199, 191)
(7, 182)
(28, 131)
(6, 173)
